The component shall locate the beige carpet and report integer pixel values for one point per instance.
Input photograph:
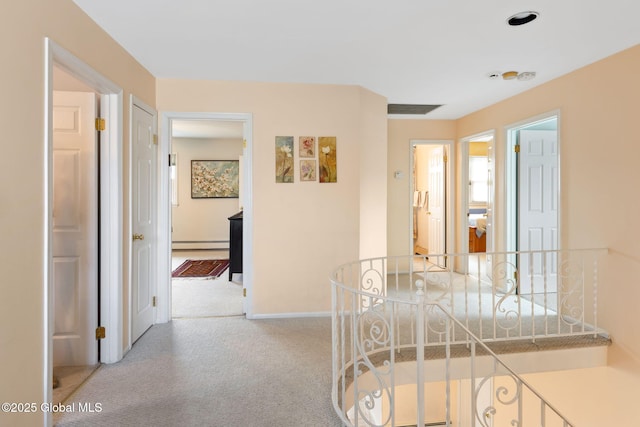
(205, 298)
(198, 297)
(223, 372)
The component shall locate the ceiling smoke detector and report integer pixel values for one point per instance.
(522, 18)
(512, 75)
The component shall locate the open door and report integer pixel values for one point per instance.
(538, 210)
(144, 225)
(75, 229)
(430, 202)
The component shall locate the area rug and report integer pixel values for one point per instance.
(202, 268)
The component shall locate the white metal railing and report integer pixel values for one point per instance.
(390, 312)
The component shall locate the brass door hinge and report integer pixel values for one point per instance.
(244, 292)
(155, 139)
(101, 124)
(516, 148)
(445, 159)
(153, 301)
(101, 333)
(244, 143)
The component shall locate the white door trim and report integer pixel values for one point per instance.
(110, 209)
(510, 211)
(163, 313)
(450, 188)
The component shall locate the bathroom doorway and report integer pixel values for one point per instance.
(477, 196)
(431, 229)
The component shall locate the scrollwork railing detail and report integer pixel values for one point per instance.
(372, 332)
(507, 315)
(571, 295)
(385, 311)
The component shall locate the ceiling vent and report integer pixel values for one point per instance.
(410, 108)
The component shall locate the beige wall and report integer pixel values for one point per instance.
(303, 230)
(22, 175)
(478, 149)
(373, 175)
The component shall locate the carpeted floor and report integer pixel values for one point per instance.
(206, 298)
(223, 372)
(195, 297)
(229, 371)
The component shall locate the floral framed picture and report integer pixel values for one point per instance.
(327, 159)
(213, 179)
(307, 170)
(307, 146)
(284, 159)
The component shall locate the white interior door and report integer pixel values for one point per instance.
(144, 239)
(75, 229)
(436, 201)
(538, 209)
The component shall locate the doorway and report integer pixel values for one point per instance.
(430, 202)
(243, 202)
(533, 210)
(211, 150)
(108, 217)
(477, 199)
(74, 234)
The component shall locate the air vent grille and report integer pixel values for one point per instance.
(410, 108)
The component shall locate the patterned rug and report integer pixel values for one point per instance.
(204, 268)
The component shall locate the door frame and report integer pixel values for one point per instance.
(163, 313)
(511, 213)
(464, 189)
(449, 188)
(111, 208)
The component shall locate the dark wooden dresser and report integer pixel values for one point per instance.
(235, 244)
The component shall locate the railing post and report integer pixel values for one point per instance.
(420, 351)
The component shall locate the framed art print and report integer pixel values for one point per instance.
(211, 179)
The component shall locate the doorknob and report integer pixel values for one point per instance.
(138, 237)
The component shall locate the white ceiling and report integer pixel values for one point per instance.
(410, 51)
